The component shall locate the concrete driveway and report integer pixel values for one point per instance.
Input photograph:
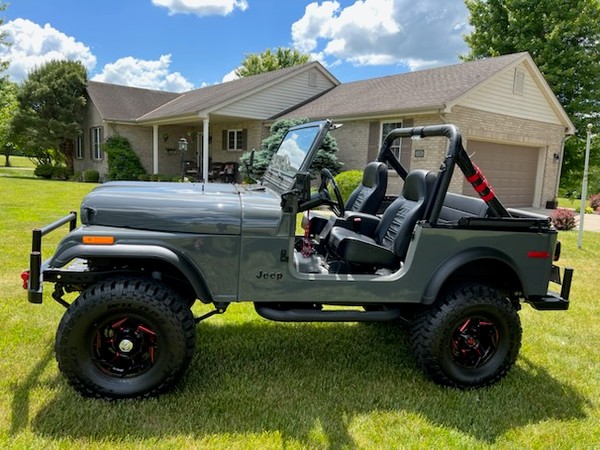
(591, 222)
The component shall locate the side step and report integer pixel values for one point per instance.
(318, 315)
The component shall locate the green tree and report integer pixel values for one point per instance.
(326, 156)
(563, 38)
(8, 108)
(51, 102)
(3, 42)
(255, 63)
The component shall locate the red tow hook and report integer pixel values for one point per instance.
(25, 278)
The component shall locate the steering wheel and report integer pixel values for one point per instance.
(337, 205)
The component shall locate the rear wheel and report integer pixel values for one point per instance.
(125, 338)
(470, 338)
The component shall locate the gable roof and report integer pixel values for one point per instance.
(125, 103)
(207, 99)
(424, 90)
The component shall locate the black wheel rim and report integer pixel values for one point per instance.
(474, 342)
(124, 347)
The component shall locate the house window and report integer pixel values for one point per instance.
(386, 127)
(79, 147)
(235, 139)
(96, 142)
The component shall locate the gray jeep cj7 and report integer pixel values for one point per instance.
(455, 268)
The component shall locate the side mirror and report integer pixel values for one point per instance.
(249, 167)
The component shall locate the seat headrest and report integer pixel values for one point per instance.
(375, 173)
(417, 184)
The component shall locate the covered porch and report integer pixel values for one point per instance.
(212, 147)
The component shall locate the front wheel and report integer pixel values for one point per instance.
(125, 338)
(470, 338)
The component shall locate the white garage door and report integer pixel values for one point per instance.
(510, 169)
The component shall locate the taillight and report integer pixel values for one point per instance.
(538, 255)
(25, 278)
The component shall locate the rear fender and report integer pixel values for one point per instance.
(136, 252)
(452, 266)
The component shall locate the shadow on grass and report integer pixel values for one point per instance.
(264, 377)
(22, 392)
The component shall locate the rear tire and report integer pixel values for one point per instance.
(470, 338)
(125, 338)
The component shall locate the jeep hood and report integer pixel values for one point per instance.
(168, 207)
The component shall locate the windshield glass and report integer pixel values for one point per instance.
(295, 154)
(293, 150)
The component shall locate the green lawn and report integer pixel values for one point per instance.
(260, 384)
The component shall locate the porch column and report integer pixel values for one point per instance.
(205, 123)
(154, 148)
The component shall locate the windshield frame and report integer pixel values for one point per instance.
(282, 180)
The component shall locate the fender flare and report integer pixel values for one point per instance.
(455, 262)
(133, 251)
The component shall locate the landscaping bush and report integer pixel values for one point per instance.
(49, 171)
(144, 177)
(44, 171)
(61, 173)
(595, 202)
(123, 162)
(348, 181)
(90, 176)
(563, 219)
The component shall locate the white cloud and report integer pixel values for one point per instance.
(202, 7)
(381, 32)
(229, 76)
(141, 73)
(33, 46)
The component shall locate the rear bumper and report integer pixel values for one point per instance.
(553, 301)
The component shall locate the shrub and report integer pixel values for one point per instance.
(348, 181)
(595, 202)
(144, 177)
(90, 176)
(44, 171)
(62, 173)
(123, 163)
(49, 171)
(563, 219)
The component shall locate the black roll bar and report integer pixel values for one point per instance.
(455, 155)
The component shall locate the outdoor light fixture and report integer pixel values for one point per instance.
(183, 145)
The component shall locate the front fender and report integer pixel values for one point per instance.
(454, 263)
(132, 251)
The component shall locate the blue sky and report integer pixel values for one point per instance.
(178, 45)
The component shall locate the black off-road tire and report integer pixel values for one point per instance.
(125, 338)
(470, 338)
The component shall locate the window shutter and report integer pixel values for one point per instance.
(224, 141)
(244, 143)
(373, 142)
(406, 145)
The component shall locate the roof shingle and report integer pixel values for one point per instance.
(426, 89)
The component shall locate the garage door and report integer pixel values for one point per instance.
(510, 169)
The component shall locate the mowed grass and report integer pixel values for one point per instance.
(260, 384)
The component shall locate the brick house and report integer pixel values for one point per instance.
(512, 123)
